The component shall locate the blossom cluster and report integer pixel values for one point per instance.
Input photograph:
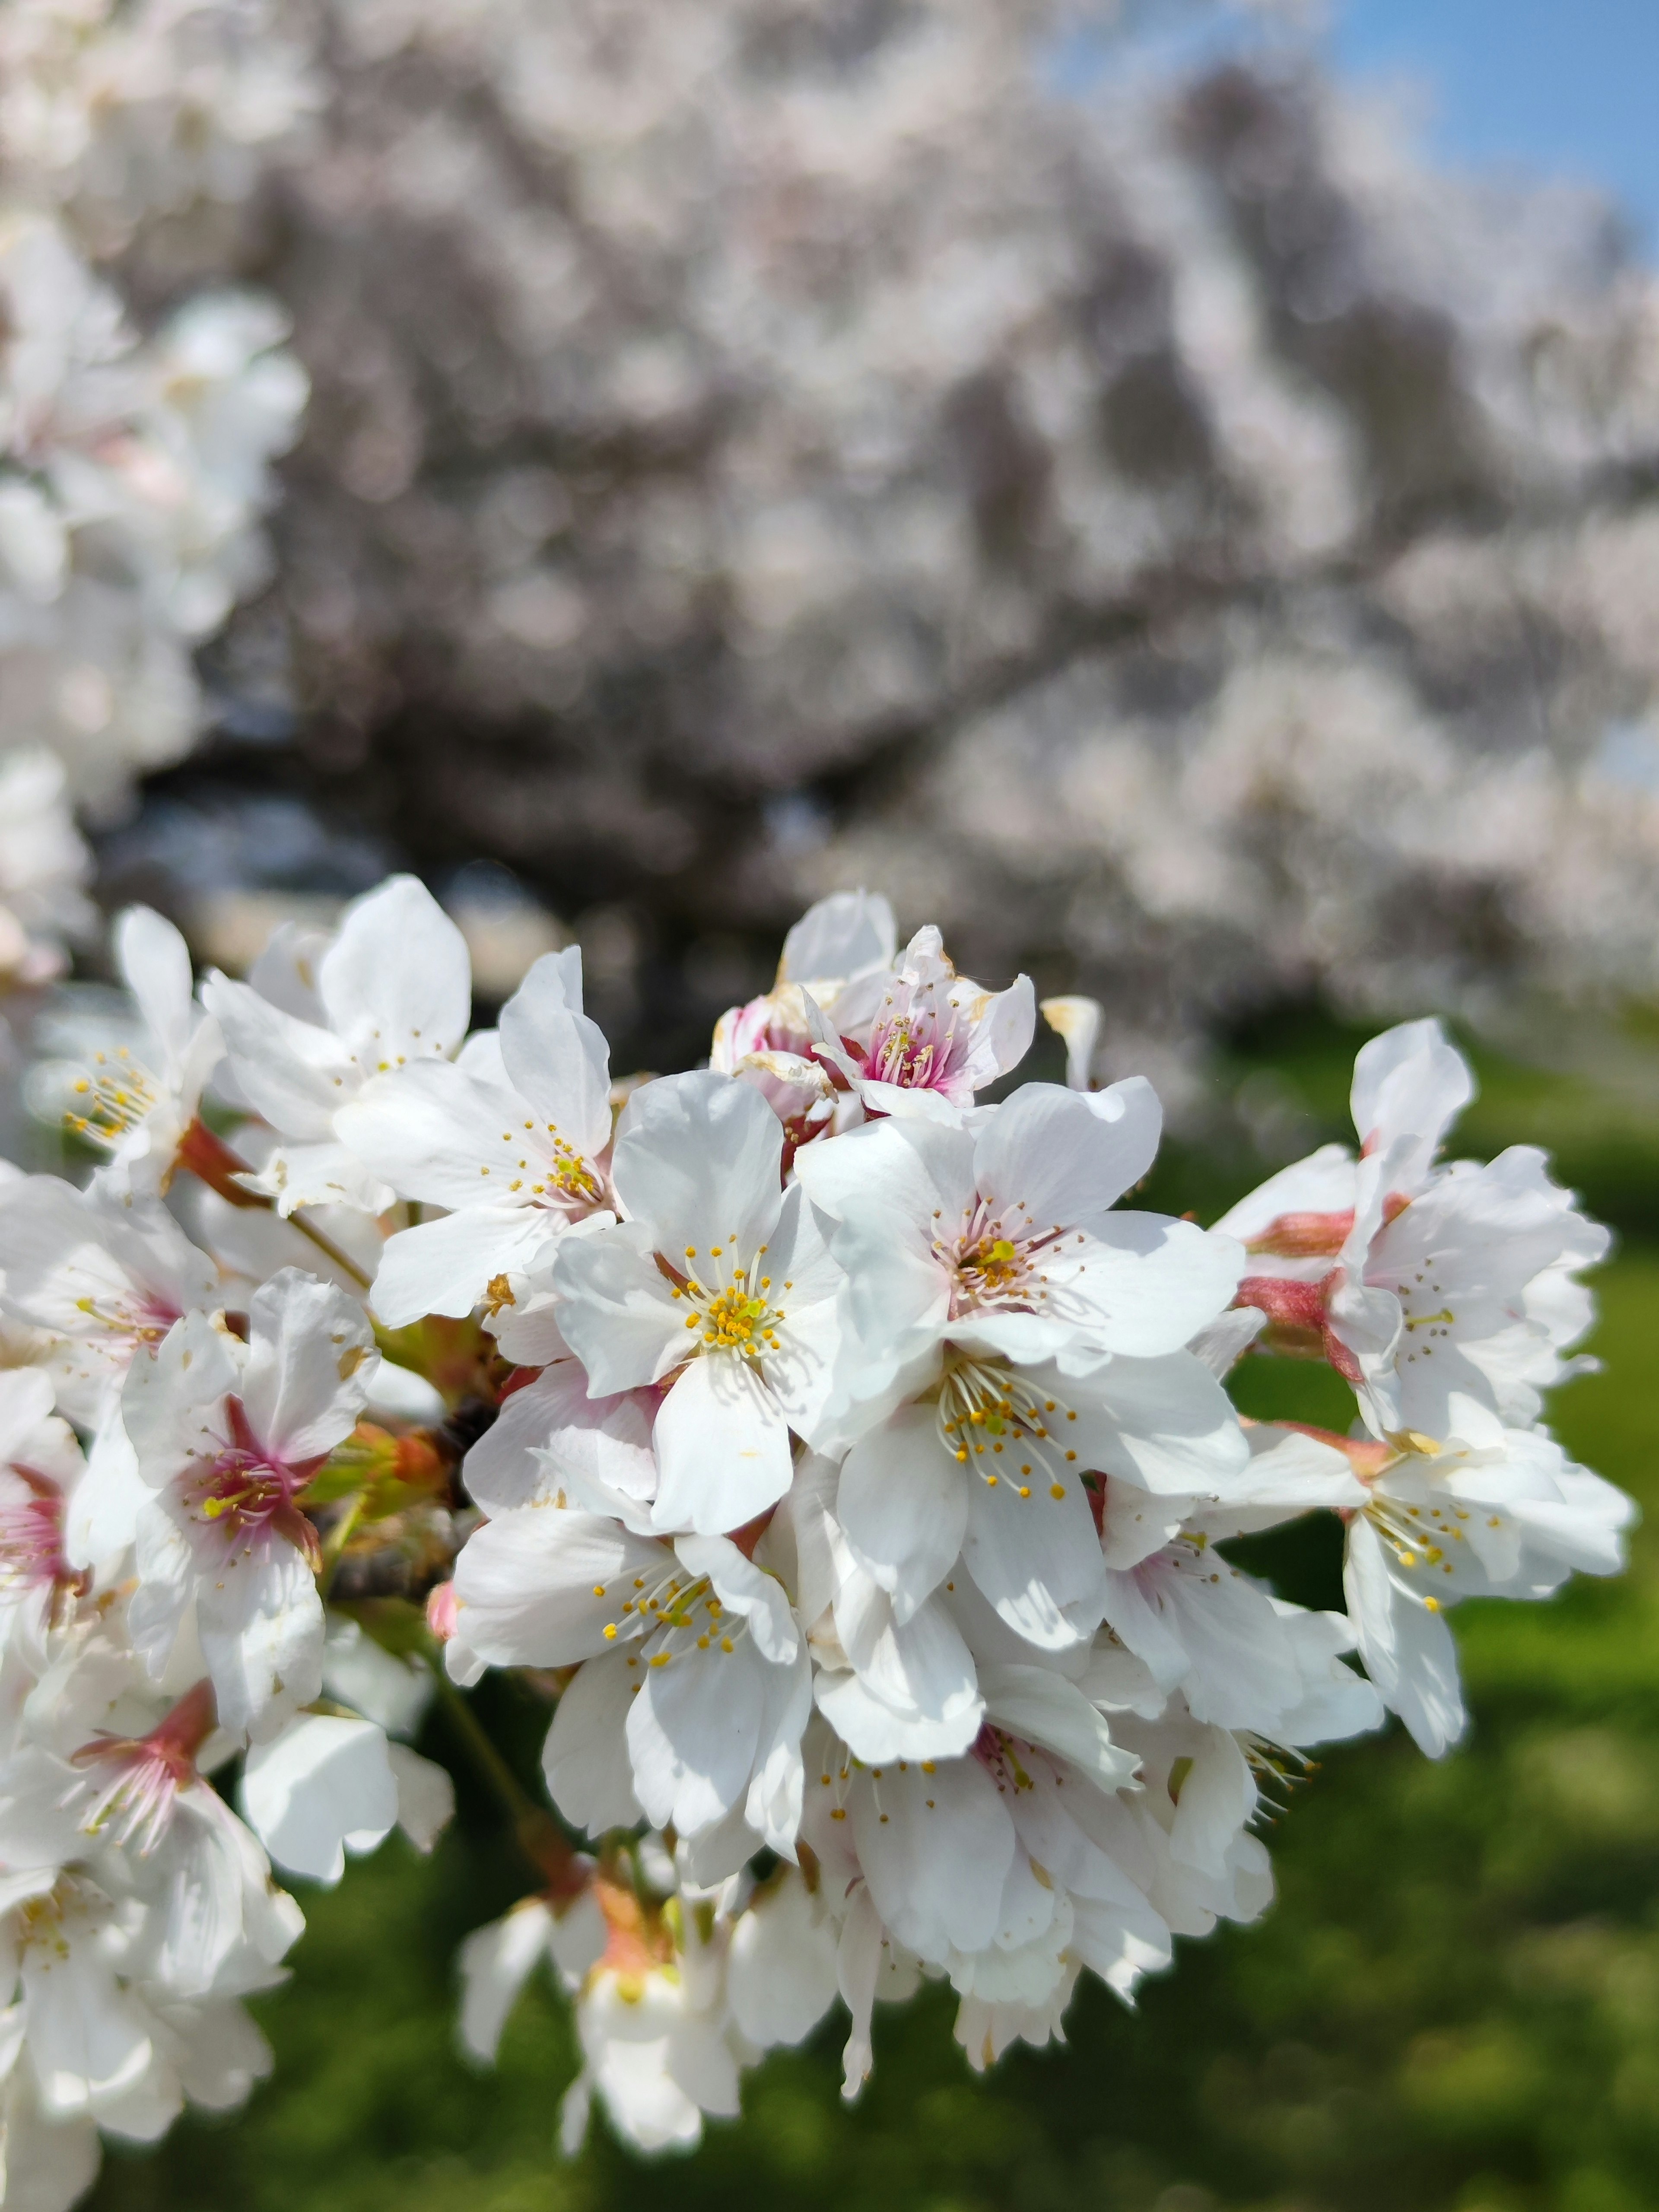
(844, 1459)
(139, 412)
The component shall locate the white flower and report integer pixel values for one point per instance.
(719, 1282)
(104, 1272)
(990, 1465)
(393, 989)
(704, 1689)
(226, 1435)
(134, 1813)
(1488, 1511)
(513, 1137)
(1000, 1239)
(771, 1042)
(921, 1039)
(41, 1470)
(659, 2047)
(139, 1110)
(1418, 1281)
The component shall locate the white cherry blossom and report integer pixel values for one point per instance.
(513, 1137)
(138, 1110)
(104, 1273)
(226, 1435)
(918, 1038)
(393, 989)
(719, 1284)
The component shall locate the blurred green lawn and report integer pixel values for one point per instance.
(1453, 2008)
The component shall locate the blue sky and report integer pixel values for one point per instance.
(1557, 87)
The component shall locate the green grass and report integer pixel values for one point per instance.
(1453, 2008)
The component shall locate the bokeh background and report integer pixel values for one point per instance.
(1171, 493)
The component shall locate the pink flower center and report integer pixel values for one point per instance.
(32, 1536)
(245, 1493)
(1007, 1760)
(136, 1781)
(916, 1045)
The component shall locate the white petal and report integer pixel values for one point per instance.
(426, 1795)
(557, 1060)
(1040, 1707)
(697, 1160)
(539, 1587)
(261, 1624)
(935, 1871)
(1037, 1558)
(903, 1502)
(447, 1266)
(781, 1972)
(722, 1447)
(311, 1355)
(496, 1963)
(397, 980)
(617, 1311)
(325, 1780)
(585, 1759)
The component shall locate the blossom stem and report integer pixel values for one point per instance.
(331, 1250)
(209, 1157)
(539, 1837)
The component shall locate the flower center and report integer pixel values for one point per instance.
(31, 1537)
(988, 1414)
(912, 1044)
(116, 1096)
(1422, 1538)
(246, 1494)
(738, 1314)
(139, 1779)
(541, 1167)
(673, 1614)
